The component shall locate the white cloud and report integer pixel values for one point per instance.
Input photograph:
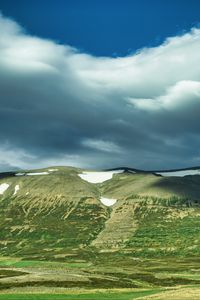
(100, 145)
(61, 106)
(176, 97)
(14, 157)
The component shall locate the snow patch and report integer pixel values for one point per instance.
(98, 177)
(108, 201)
(52, 170)
(16, 189)
(20, 174)
(3, 188)
(179, 173)
(40, 173)
(30, 174)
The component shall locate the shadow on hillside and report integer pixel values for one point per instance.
(188, 186)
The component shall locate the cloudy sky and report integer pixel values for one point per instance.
(115, 90)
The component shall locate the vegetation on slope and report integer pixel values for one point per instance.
(57, 233)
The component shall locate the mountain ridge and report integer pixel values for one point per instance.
(126, 169)
(154, 170)
(37, 199)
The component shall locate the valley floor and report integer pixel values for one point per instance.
(180, 293)
(109, 277)
(82, 295)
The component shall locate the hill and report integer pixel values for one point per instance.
(120, 227)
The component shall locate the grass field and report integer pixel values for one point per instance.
(103, 295)
(179, 293)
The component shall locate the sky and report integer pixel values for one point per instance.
(99, 84)
(107, 27)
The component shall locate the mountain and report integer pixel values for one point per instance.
(62, 208)
(124, 216)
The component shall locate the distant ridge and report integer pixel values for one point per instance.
(126, 169)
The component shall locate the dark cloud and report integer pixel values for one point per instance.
(62, 107)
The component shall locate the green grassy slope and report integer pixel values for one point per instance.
(56, 234)
(154, 216)
(57, 215)
(50, 214)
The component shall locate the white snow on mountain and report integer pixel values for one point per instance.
(33, 173)
(179, 173)
(16, 189)
(108, 201)
(98, 177)
(39, 173)
(20, 174)
(3, 188)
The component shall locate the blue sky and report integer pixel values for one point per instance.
(99, 84)
(104, 27)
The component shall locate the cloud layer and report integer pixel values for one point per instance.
(59, 106)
